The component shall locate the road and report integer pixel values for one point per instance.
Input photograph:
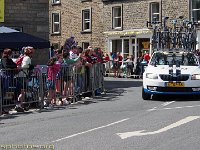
(119, 120)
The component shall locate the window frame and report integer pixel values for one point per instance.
(53, 23)
(112, 17)
(158, 13)
(84, 30)
(54, 2)
(85, 42)
(86, 0)
(191, 11)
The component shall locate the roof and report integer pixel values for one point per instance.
(7, 30)
(10, 38)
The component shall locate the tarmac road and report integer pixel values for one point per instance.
(117, 120)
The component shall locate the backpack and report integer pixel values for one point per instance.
(19, 60)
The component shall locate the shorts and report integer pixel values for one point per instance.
(67, 78)
(51, 85)
(116, 66)
(58, 76)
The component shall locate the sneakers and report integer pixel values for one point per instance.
(45, 103)
(65, 102)
(19, 109)
(50, 107)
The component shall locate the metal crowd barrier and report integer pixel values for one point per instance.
(124, 71)
(18, 87)
(71, 82)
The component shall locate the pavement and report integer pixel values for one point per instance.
(109, 87)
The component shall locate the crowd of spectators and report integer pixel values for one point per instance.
(83, 60)
(64, 59)
(61, 58)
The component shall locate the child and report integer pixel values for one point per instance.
(67, 70)
(52, 70)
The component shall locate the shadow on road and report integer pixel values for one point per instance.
(122, 84)
(177, 98)
(114, 88)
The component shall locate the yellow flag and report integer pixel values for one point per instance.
(1, 10)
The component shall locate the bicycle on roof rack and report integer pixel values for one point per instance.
(181, 34)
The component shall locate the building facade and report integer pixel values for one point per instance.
(126, 27)
(82, 19)
(116, 25)
(29, 16)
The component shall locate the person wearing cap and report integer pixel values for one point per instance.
(26, 68)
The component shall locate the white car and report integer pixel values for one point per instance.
(173, 72)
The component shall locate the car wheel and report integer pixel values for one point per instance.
(145, 96)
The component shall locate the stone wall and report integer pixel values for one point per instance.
(71, 22)
(136, 12)
(33, 17)
(135, 16)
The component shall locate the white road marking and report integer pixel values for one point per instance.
(167, 103)
(178, 107)
(155, 108)
(73, 135)
(174, 125)
(164, 104)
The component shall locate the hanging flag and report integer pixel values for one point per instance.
(1, 10)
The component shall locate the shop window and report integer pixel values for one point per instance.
(86, 20)
(85, 45)
(55, 23)
(154, 11)
(195, 9)
(117, 45)
(126, 48)
(117, 17)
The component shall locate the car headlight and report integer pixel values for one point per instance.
(195, 77)
(151, 76)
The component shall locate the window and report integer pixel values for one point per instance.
(117, 17)
(86, 0)
(117, 45)
(85, 45)
(126, 48)
(195, 9)
(86, 20)
(154, 11)
(56, 23)
(55, 1)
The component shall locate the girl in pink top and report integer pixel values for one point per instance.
(52, 70)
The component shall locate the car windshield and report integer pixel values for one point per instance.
(169, 58)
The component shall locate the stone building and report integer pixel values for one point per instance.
(115, 25)
(125, 22)
(29, 16)
(82, 19)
